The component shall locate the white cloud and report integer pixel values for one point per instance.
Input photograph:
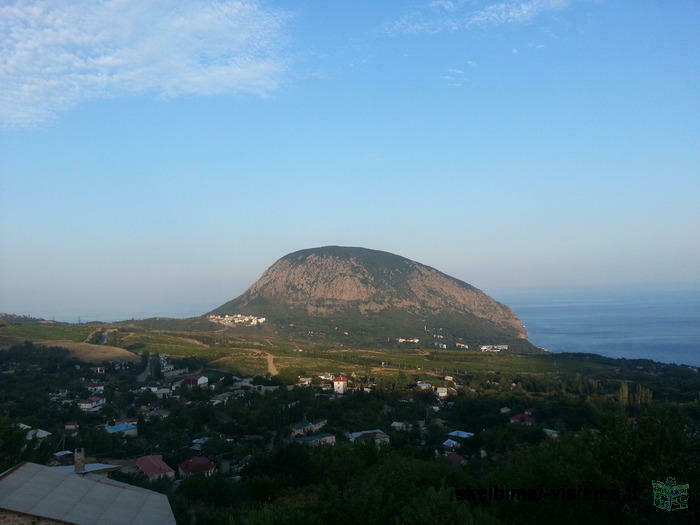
(436, 17)
(56, 53)
(455, 71)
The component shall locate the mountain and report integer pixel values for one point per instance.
(374, 296)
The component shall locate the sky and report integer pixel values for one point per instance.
(157, 157)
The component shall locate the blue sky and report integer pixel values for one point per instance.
(155, 158)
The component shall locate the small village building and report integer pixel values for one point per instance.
(196, 466)
(154, 467)
(505, 410)
(340, 385)
(125, 429)
(460, 434)
(196, 381)
(376, 435)
(455, 458)
(450, 444)
(524, 418)
(399, 426)
(91, 404)
(307, 427)
(315, 440)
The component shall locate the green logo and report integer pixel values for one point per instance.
(669, 495)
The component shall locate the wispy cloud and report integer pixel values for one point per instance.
(439, 16)
(56, 53)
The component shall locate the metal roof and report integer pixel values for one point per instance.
(55, 494)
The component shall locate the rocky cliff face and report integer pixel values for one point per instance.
(330, 280)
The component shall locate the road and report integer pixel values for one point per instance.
(143, 376)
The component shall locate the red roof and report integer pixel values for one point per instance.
(153, 466)
(454, 458)
(196, 465)
(340, 378)
(522, 418)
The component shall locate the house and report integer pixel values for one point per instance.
(441, 391)
(551, 433)
(154, 467)
(423, 385)
(38, 434)
(81, 467)
(525, 418)
(97, 369)
(197, 465)
(71, 428)
(450, 444)
(455, 458)
(97, 388)
(439, 345)
(460, 434)
(308, 427)
(32, 493)
(462, 346)
(196, 381)
(319, 439)
(125, 429)
(261, 389)
(376, 435)
(505, 410)
(91, 404)
(340, 385)
(399, 426)
(413, 340)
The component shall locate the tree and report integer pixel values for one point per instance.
(623, 395)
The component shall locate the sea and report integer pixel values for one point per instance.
(634, 323)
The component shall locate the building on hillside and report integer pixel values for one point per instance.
(32, 493)
(154, 467)
(98, 369)
(376, 435)
(125, 429)
(551, 433)
(315, 440)
(399, 426)
(96, 388)
(450, 445)
(91, 404)
(462, 346)
(460, 434)
(340, 385)
(71, 428)
(196, 381)
(441, 391)
(455, 458)
(307, 427)
(524, 418)
(196, 466)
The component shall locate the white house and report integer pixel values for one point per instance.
(340, 385)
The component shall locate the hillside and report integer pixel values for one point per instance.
(363, 296)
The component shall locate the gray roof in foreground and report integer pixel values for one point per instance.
(55, 494)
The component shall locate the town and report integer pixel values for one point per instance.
(237, 320)
(174, 427)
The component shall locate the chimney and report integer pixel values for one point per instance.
(79, 460)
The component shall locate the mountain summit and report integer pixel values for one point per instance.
(374, 292)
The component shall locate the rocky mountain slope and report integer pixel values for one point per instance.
(367, 289)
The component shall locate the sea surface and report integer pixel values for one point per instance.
(662, 325)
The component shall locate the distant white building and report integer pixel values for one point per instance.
(340, 385)
(414, 340)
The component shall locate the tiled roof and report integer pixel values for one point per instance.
(196, 465)
(153, 466)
